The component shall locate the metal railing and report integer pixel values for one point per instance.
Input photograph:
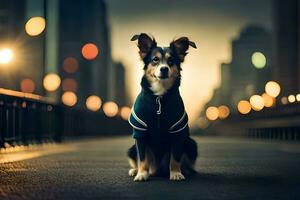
(26, 118)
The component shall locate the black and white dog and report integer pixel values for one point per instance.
(160, 124)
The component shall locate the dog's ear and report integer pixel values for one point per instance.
(181, 45)
(145, 43)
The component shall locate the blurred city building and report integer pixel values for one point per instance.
(249, 69)
(81, 23)
(286, 43)
(27, 62)
(121, 92)
(75, 45)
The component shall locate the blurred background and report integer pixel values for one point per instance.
(243, 79)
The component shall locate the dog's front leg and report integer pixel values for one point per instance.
(143, 167)
(175, 160)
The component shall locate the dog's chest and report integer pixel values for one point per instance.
(158, 115)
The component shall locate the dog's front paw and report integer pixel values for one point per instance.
(176, 176)
(141, 176)
(132, 172)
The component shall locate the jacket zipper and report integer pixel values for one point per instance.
(158, 112)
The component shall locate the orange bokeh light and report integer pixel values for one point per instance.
(51, 82)
(125, 112)
(223, 111)
(69, 85)
(89, 51)
(212, 113)
(27, 85)
(70, 65)
(93, 103)
(69, 98)
(110, 109)
(244, 107)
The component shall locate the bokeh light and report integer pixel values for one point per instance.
(125, 112)
(257, 102)
(35, 26)
(70, 65)
(291, 98)
(69, 98)
(110, 109)
(284, 100)
(298, 97)
(27, 85)
(212, 113)
(268, 100)
(89, 51)
(258, 60)
(244, 107)
(69, 84)
(93, 103)
(51, 82)
(6, 56)
(272, 89)
(202, 122)
(223, 112)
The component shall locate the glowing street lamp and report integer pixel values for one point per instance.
(35, 26)
(257, 102)
(244, 107)
(212, 113)
(223, 112)
(272, 89)
(6, 56)
(269, 101)
(110, 109)
(298, 97)
(89, 51)
(284, 100)
(125, 112)
(291, 98)
(93, 103)
(51, 82)
(69, 98)
(258, 60)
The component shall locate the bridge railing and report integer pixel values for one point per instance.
(33, 119)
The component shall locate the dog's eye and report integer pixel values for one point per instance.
(155, 59)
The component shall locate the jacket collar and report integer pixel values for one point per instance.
(174, 90)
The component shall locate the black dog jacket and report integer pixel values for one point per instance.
(159, 116)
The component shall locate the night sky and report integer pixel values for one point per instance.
(211, 24)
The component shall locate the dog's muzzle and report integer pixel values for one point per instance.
(164, 73)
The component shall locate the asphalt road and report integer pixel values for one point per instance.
(98, 169)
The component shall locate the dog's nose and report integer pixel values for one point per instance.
(164, 70)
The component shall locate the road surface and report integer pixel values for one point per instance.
(97, 169)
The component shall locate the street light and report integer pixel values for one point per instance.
(244, 107)
(258, 60)
(212, 113)
(6, 56)
(93, 103)
(110, 109)
(257, 102)
(272, 88)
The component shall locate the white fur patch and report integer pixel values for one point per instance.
(158, 88)
(141, 176)
(132, 172)
(176, 176)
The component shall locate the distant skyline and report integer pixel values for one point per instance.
(210, 24)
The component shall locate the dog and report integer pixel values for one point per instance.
(162, 146)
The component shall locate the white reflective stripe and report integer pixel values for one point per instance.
(181, 119)
(179, 129)
(137, 128)
(137, 118)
